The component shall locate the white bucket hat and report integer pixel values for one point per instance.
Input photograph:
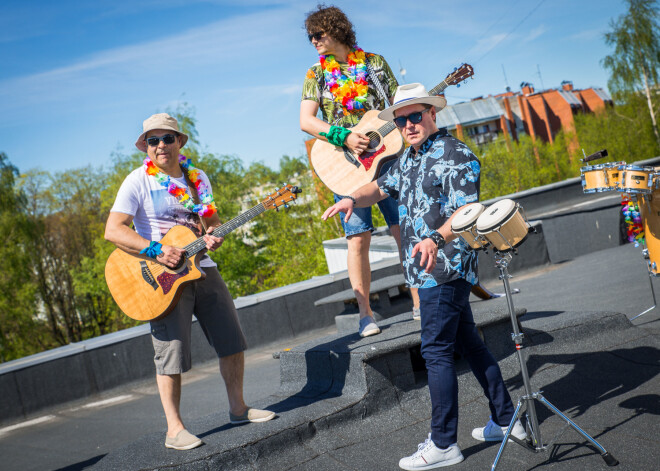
(412, 94)
(159, 121)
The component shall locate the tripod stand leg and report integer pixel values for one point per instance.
(516, 416)
(609, 459)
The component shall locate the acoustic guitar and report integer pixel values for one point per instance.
(344, 172)
(146, 290)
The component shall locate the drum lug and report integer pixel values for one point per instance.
(517, 338)
(645, 254)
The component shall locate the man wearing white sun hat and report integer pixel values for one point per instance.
(432, 180)
(154, 198)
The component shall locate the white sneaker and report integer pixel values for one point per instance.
(417, 314)
(494, 433)
(429, 456)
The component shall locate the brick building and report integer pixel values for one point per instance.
(539, 114)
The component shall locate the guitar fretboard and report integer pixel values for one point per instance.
(390, 126)
(226, 228)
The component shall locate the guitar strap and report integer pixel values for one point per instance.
(195, 198)
(376, 81)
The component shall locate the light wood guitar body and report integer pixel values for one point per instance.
(145, 290)
(341, 171)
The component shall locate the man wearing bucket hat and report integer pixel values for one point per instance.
(432, 180)
(344, 93)
(154, 198)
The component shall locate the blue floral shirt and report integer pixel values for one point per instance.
(430, 185)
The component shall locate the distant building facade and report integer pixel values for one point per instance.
(540, 115)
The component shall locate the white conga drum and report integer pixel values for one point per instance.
(503, 225)
(464, 222)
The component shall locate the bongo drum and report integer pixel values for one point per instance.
(634, 179)
(503, 225)
(613, 172)
(594, 178)
(464, 222)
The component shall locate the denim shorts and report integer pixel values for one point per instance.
(361, 220)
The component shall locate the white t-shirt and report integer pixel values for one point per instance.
(154, 210)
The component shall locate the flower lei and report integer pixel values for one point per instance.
(207, 208)
(350, 92)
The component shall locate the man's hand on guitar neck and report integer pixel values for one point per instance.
(357, 142)
(212, 242)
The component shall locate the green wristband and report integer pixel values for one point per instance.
(336, 135)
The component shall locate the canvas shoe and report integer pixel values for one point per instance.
(368, 327)
(251, 415)
(494, 433)
(184, 440)
(417, 314)
(429, 456)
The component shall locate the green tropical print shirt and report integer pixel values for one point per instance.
(314, 88)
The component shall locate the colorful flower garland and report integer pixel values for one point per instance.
(633, 218)
(350, 92)
(207, 208)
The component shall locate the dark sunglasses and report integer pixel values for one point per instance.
(167, 139)
(414, 118)
(316, 36)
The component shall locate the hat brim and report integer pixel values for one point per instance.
(141, 144)
(438, 102)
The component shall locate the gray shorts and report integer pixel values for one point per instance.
(210, 301)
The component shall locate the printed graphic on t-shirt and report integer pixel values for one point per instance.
(171, 213)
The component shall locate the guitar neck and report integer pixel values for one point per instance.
(221, 231)
(390, 126)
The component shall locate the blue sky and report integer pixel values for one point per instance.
(78, 78)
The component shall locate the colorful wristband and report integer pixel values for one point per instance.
(336, 135)
(153, 250)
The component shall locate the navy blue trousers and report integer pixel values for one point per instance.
(448, 325)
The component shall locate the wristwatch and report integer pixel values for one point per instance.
(436, 237)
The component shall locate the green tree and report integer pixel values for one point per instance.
(634, 63)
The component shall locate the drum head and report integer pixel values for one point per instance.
(495, 215)
(466, 216)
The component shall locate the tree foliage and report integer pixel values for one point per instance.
(634, 63)
(53, 288)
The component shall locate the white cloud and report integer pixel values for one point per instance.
(535, 33)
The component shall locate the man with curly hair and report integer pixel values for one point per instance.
(333, 36)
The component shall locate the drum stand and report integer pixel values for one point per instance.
(645, 254)
(533, 442)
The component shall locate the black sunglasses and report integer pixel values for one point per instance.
(414, 118)
(167, 139)
(318, 35)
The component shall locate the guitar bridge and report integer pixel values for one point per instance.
(147, 276)
(350, 157)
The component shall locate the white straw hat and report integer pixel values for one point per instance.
(159, 121)
(412, 94)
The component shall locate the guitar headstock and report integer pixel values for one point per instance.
(281, 197)
(464, 71)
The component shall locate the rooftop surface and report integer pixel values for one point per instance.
(586, 357)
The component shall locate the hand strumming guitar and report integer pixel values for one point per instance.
(170, 256)
(357, 142)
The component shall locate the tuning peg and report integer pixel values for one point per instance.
(286, 205)
(458, 85)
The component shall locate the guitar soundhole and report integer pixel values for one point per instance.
(374, 139)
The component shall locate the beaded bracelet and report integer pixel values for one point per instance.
(349, 197)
